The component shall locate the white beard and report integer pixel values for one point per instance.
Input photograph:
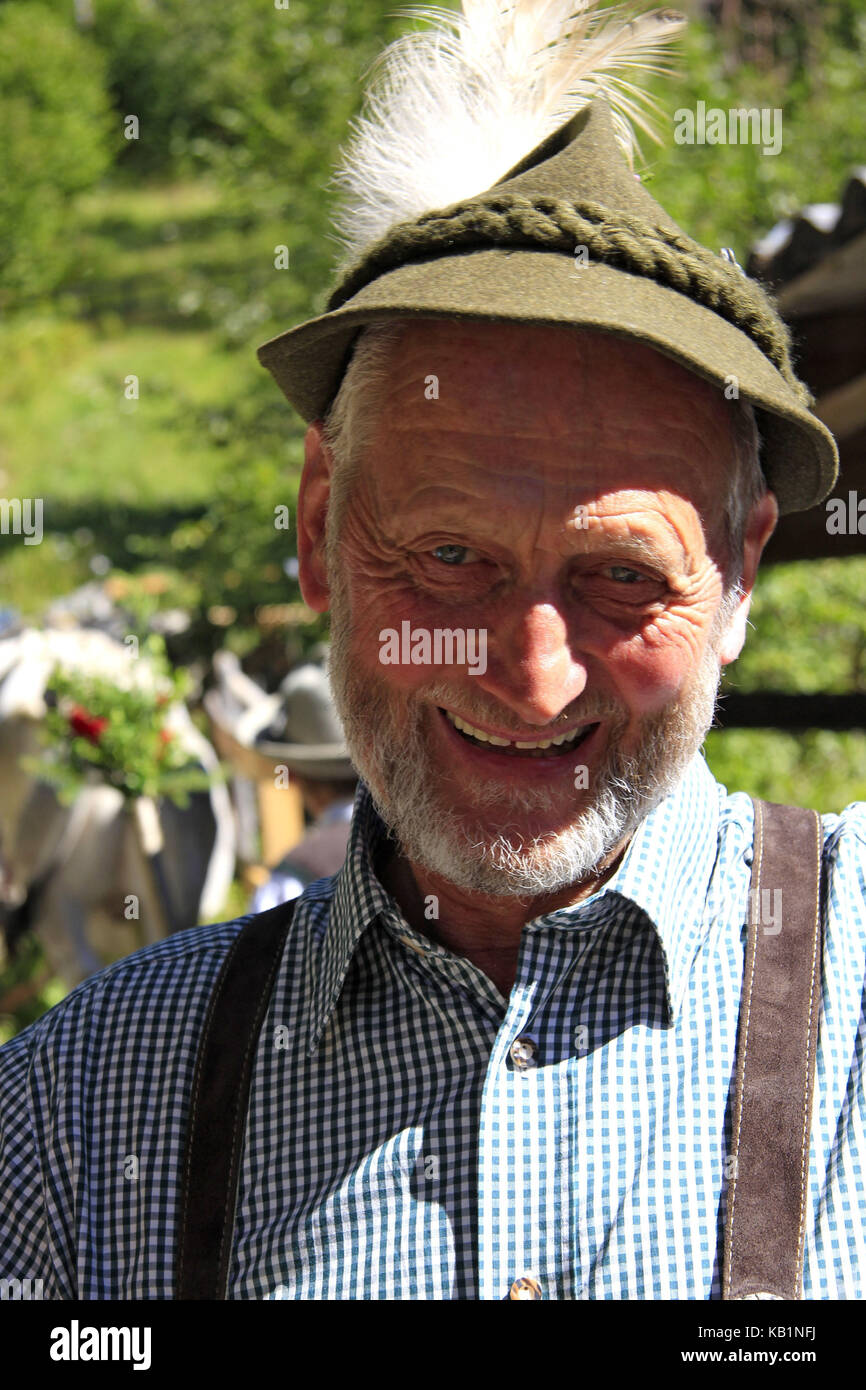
(393, 757)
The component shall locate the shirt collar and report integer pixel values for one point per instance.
(357, 901)
(665, 872)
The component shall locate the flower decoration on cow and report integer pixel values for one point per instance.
(99, 728)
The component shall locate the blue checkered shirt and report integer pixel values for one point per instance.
(393, 1149)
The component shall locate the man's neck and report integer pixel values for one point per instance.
(485, 929)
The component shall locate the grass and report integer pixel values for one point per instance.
(171, 286)
(68, 433)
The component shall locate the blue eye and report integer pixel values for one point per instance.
(450, 554)
(632, 575)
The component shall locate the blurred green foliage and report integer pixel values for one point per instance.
(808, 636)
(730, 194)
(817, 768)
(58, 134)
(809, 630)
(255, 96)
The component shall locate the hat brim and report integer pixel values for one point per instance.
(321, 762)
(533, 286)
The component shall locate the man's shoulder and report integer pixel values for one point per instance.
(843, 855)
(845, 866)
(847, 827)
(842, 831)
(141, 990)
(154, 999)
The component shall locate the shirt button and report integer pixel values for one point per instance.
(526, 1287)
(523, 1052)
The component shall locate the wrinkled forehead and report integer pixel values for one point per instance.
(536, 353)
(524, 407)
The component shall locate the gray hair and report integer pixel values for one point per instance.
(349, 427)
(349, 423)
(748, 485)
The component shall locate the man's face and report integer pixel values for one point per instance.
(563, 494)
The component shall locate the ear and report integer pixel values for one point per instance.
(313, 496)
(759, 529)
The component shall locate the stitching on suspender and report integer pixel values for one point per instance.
(811, 1050)
(804, 1073)
(751, 947)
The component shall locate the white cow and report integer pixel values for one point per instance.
(76, 875)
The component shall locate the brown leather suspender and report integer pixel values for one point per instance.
(776, 1045)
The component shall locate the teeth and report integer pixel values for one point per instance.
(506, 742)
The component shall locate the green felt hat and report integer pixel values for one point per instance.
(511, 255)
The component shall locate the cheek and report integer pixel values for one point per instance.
(379, 607)
(651, 670)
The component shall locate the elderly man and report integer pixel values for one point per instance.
(509, 1051)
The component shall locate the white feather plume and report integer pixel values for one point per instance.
(452, 108)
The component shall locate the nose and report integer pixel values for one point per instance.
(531, 668)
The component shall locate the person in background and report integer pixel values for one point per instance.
(316, 756)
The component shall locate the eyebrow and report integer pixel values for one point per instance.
(669, 548)
(639, 548)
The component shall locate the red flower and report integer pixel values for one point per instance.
(89, 726)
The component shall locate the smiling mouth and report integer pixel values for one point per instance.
(563, 746)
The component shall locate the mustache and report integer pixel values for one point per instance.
(587, 712)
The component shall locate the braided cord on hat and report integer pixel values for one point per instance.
(620, 239)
